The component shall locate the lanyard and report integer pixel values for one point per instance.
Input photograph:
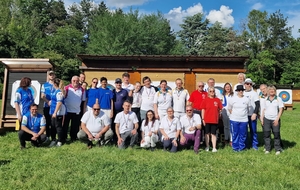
(170, 125)
(126, 121)
(32, 120)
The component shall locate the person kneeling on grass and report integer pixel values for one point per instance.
(127, 124)
(149, 131)
(170, 128)
(95, 125)
(33, 128)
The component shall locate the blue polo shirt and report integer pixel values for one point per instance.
(34, 123)
(119, 98)
(47, 89)
(105, 96)
(56, 96)
(92, 94)
(24, 98)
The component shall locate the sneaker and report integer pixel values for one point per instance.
(58, 144)
(277, 153)
(264, 150)
(53, 143)
(152, 149)
(267, 152)
(214, 150)
(207, 149)
(47, 140)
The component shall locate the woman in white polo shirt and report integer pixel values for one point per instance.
(162, 100)
(273, 108)
(170, 128)
(149, 130)
(238, 107)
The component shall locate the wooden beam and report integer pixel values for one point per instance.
(219, 70)
(164, 69)
(105, 69)
(3, 95)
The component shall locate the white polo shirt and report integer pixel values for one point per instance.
(239, 108)
(136, 99)
(152, 126)
(272, 107)
(147, 98)
(170, 127)
(95, 123)
(128, 87)
(163, 100)
(187, 123)
(253, 96)
(126, 121)
(73, 99)
(180, 97)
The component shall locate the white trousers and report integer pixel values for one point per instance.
(150, 141)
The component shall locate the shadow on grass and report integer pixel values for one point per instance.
(4, 162)
(285, 143)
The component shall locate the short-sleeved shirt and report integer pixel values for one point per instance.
(24, 98)
(136, 99)
(170, 127)
(253, 96)
(212, 107)
(34, 123)
(92, 94)
(197, 98)
(129, 87)
(95, 123)
(105, 97)
(74, 97)
(57, 96)
(46, 89)
(126, 121)
(147, 98)
(151, 126)
(163, 100)
(272, 107)
(187, 123)
(179, 99)
(239, 107)
(119, 98)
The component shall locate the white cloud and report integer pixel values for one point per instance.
(223, 15)
(293, 20)
(124, 3)
(176, 15)
(257, 6)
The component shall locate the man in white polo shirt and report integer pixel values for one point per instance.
(126, 123)
(180, 98)
(75, 94)
(148, 93)
(95, 125)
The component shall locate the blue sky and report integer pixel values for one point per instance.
(228, 12)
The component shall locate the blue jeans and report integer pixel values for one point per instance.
(239, 135)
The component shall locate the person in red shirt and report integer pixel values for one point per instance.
(211, 108)
(197, 98)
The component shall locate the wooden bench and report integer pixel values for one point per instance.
(288, 106)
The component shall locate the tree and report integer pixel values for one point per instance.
(194, 30)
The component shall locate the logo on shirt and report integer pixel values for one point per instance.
(216, 104)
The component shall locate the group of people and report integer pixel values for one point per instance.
(148, 115)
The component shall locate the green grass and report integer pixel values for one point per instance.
(74, 167)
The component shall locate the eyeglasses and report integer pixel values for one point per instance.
(95, 82)
(189, 110)
(248, 84)
(211, 91)
(96, 109)
(201, 86)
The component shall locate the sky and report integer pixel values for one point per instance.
(229, 12)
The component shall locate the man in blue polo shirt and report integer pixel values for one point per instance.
(46, 91)
(106, 98)
(33, 128)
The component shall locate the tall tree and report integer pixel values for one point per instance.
(194, 30)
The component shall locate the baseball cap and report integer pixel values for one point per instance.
(248, 80)
(118, 80)
(51, 72)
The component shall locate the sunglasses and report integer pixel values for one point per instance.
(95, 82)
(189, 110)
(211, 91)
(248, 84)
(201, 86)
(96, 109)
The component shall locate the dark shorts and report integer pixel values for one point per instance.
(211, 128)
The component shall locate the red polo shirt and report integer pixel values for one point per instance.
(197, 98)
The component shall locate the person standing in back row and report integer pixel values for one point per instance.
(180, 98)
(148, 93)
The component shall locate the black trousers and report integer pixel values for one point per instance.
(23, 137)
(74, 128)
(46, 111)
(57, 123)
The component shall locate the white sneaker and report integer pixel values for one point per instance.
(59, 144)
(277, 153)
(207, 149)
(53, 143)
(267, 152)
(214, 150)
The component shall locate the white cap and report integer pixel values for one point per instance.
(248, 80)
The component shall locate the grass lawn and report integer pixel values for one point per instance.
(72, 166)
